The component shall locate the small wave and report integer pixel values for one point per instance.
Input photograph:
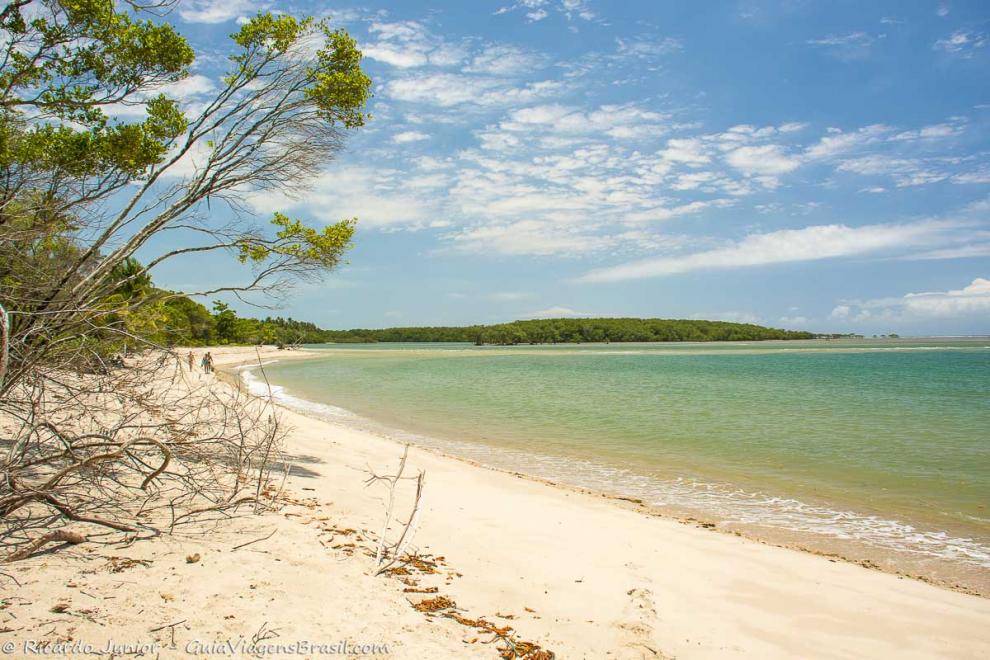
(259, 387)
(730, 504)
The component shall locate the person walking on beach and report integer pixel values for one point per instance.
(205, 363)
(209, 362)
(191, 361)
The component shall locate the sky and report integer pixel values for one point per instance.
(798, 164)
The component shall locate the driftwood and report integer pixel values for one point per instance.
(390, 553)
(58, 536)
(138, 450)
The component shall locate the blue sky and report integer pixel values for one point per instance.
(798, 164)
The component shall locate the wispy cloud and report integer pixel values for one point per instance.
(527, 237)
(556, 312)
(971, 300)
(448, 90)
(379, 198)
(961, 43)
(407, 44)
(507, 296)
(788, 245)
(770, 159)
(837, 142)
(645, 47)
(537, 10)
(505, 60)
(850, 46)
(409, 136)
(218, 11)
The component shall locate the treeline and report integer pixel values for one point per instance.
(572, 331)
(163, 317)
(176, 320)
(181, 321)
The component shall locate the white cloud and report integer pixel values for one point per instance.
(784, 246)
(660, 213)
(378, 198)
(970, 301)
(540, 114)
(979, 176)
(961, 43)
(616, 121)
(498, 141)
(648, 47)
(970, 251)
(841, 40)
(851, 46)
(537, 10)
(448, 90)
(840, 313)
(409, 136)
(395, 55)
(769, 159)
(502, 60)
(187, 88)
(838, 142)
(556, 312)
(506, 296)
(526, 237)
(188, 92)
(686, 150)
(933, 132)
(904, 171)
(190, 162)
(217, 11)
(406, 44)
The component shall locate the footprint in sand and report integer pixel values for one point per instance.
(636, 630)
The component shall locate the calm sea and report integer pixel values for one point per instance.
(874, 449)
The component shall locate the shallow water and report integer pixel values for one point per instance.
(884, 443)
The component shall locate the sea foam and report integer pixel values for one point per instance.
(727, 503)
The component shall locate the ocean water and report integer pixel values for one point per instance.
(879, 445)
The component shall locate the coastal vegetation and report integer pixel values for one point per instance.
(105, 176)
(575, 331)
(177, 320)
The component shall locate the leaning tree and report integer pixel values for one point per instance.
(82, 191)
(85, 189)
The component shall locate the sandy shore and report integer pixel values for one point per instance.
(578, 574)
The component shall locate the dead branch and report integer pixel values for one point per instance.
(137, 449)
(388, 554)
(263, 538)
(58, 536)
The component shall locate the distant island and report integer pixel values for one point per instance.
(230, 330)
(190, 323)
(574, 331)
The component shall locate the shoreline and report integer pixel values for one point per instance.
(586, 574)
(941, 572)
(498, 561)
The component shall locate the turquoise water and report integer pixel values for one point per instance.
(882, 441)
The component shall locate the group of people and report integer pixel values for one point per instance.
(206, 362)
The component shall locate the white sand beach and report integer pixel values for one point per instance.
(578, 574)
